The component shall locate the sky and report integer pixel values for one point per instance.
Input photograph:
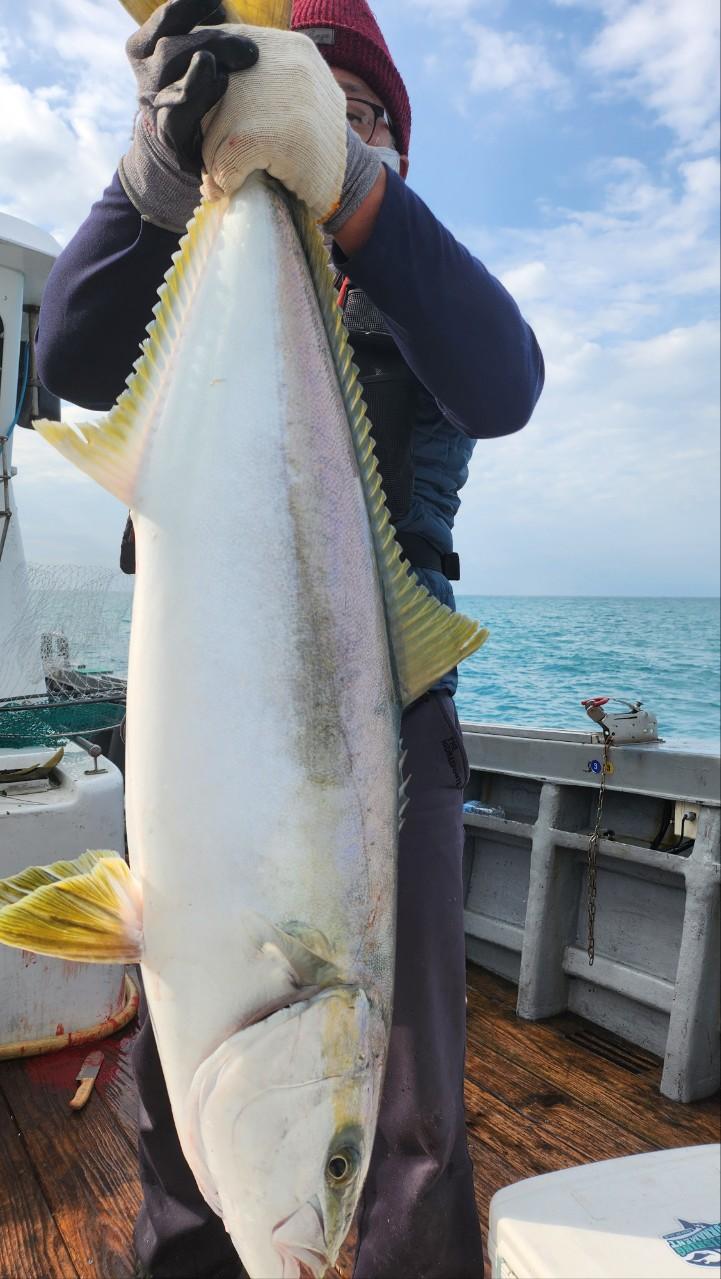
(572, 145)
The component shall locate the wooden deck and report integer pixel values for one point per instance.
(539, 1097)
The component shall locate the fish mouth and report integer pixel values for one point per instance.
(299, 1240)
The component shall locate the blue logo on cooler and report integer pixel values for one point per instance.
(698, 1242)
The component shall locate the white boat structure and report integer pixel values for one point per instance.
(54, 802)
(592, 884)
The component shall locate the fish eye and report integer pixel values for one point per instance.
(342, 1166)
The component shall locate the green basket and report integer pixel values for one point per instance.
(51, 723)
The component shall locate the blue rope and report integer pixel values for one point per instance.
(26, 375)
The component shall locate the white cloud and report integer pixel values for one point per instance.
(444, 11)
(52, 158)
(504, 62)
(616, 479)
(664, 53)
(66, 102)
(625, 267)
(614, 486)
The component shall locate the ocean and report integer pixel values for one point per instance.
(544, 656)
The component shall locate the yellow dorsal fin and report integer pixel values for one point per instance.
(111, 449)
(427, 638)
(255, 13)
(88, 910)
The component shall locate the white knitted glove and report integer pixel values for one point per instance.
(285, 116)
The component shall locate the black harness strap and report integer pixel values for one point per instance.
(420, 554)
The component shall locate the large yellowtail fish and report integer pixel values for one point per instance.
(276, 637)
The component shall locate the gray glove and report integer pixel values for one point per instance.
(363, 168)
(181, 73)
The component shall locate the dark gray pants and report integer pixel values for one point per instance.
(418, 1218)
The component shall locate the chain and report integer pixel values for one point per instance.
(593, 849)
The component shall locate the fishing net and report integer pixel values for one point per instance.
(64, 656)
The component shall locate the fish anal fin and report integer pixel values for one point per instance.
(88, 910)
(427, 638)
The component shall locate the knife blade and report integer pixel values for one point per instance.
(86, 1077)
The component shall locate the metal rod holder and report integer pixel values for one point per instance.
(94, 751)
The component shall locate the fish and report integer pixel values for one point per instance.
(277, 636)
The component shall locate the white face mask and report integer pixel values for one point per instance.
(389, 156)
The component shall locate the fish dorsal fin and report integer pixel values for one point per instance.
(255, 13)
(111, 449)
(427, 638)
(88, 910)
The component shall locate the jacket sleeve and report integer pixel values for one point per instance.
(99, 300)
(457, 327)
(455, 324)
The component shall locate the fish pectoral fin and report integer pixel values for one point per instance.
(304, 954)
(312, 939)
(88, 910)
(295, 955)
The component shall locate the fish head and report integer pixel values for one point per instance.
(284, 1117)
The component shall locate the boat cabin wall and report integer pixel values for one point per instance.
(531, 808)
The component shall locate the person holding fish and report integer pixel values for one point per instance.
(445, 360)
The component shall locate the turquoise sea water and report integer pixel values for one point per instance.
(546, 654)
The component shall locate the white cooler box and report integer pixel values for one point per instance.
(646, 1217)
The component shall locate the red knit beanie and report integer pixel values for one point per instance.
(349, 37)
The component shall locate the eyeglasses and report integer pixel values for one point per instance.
(364, 117)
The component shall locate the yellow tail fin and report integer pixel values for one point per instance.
(255, 13)
(88, 910)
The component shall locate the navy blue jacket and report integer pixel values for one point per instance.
(457, 327)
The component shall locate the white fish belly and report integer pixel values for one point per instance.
(262, 718)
